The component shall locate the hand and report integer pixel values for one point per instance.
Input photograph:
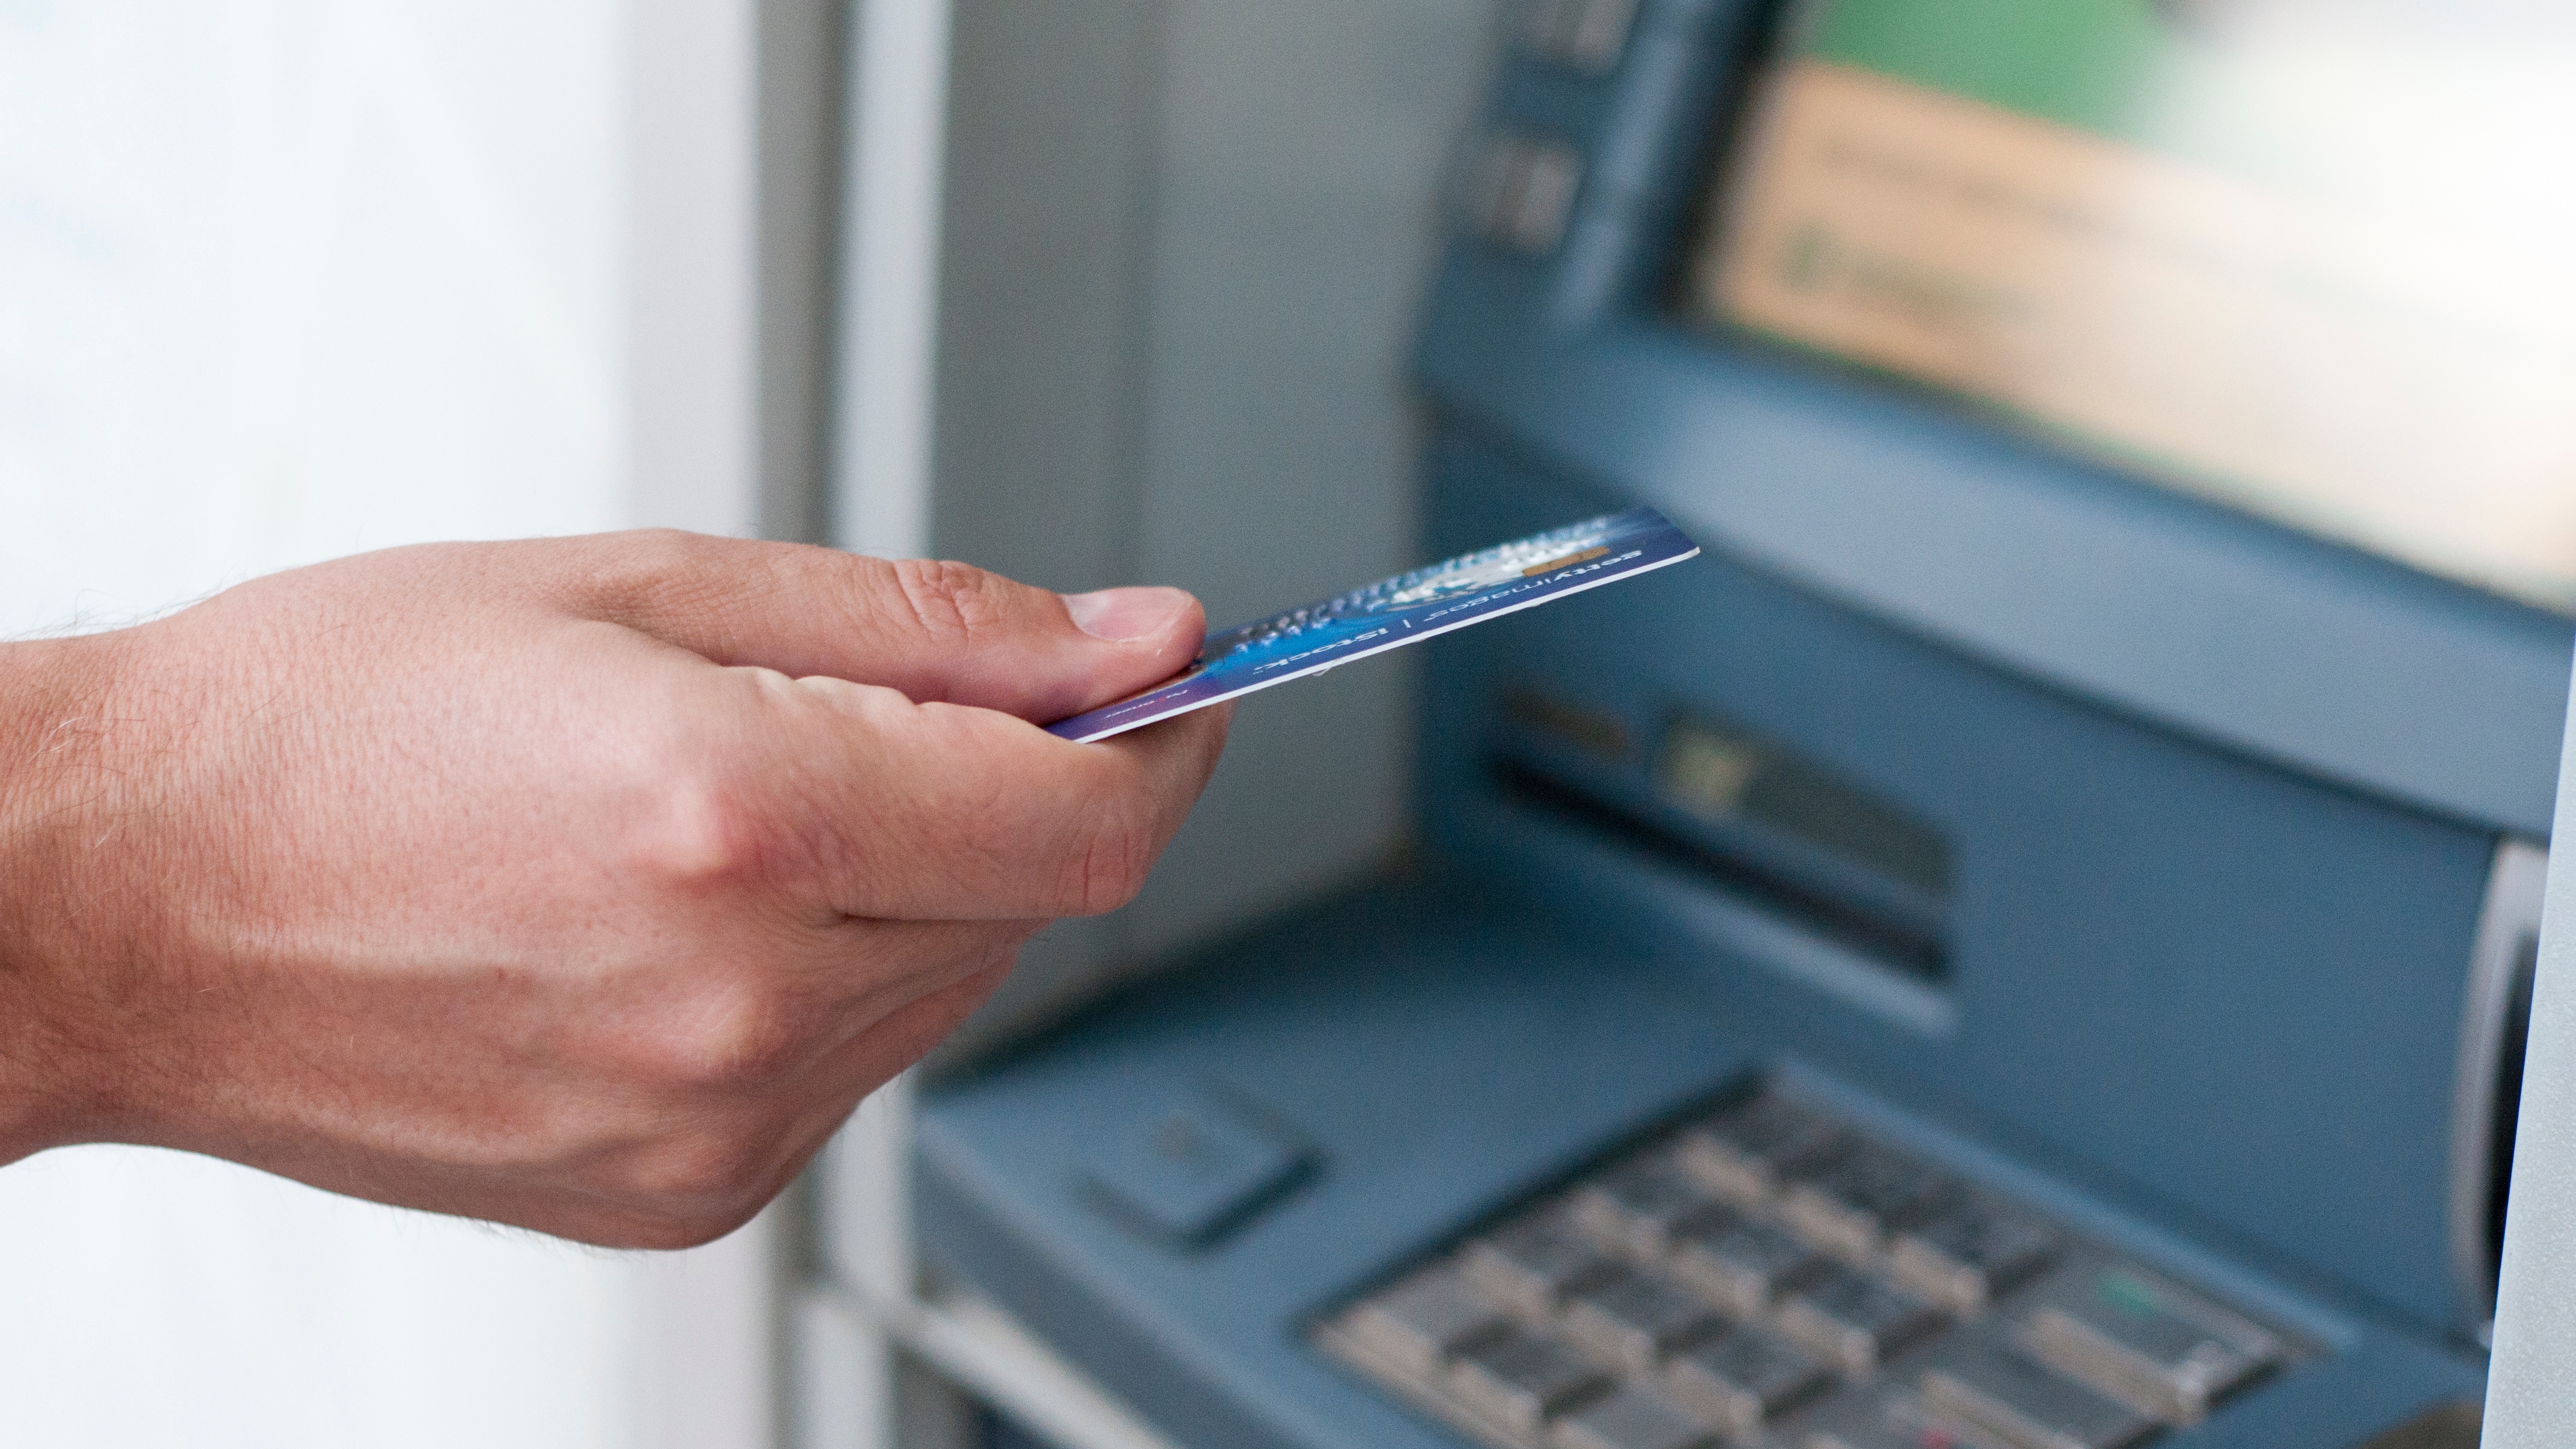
(584, 885)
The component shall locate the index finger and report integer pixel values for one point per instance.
(948, 812)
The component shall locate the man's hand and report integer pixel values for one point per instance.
(583, 885)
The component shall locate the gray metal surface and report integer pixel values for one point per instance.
(1186, 241)
(2531, 1381)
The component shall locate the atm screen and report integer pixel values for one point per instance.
(2314, 259)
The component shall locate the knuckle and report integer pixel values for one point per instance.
(647, 563)
(1116, 856)
(661, 545)
(650, 578)
(698, 1188)
(742, 1037)
(955, 604)
(707, 1168)
(703, 827)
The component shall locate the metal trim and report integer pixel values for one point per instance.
(2508, 918)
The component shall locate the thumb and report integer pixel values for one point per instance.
(932, 631)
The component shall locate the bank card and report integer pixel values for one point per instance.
(1392, 613)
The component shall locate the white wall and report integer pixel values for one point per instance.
(279, 281)
(286, 279)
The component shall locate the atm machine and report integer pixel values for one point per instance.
(2022, 944)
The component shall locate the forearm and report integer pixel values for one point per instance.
(54, 775)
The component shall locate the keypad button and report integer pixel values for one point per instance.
(1741, 1263)
(1600, 33)
(1491, 183)
(1750, 1152)
(1995, 1389)
(1853, 1319)
(1852, 1204)
(1544, 23)
(1519, 1379)
(1520, 192)
(2138, 1338)
(1633, 1418)
(1883, 1418)
(1745, 1378)
(1587, 35)
(1642, 1205)
(1188, 1169)
(1535, 220)
(1972, 1252)
(1633, 1320)
(1534, 1263)
(1420, 1323)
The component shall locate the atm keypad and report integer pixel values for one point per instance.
(1531, 1265)
(1520, 1379)
(1634, 1418)
(1749, 1154)
(1887, 1417)
(1853, 1204)
(1642, 1206)
(1971, 1251)
(1854, 1319)
(1990, 1386)
(1634, 1319)
(1428, 1321)
(1755, 1151)
(1743, 1263)
(1770, 1277)
(1746, 1377)
(2163, 1348)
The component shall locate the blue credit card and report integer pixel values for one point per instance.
(1402, 610)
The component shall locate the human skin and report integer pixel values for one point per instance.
(584, 885)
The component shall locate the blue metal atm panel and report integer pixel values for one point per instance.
(2203, 1006)
(2266, 641)
(2218, 981)
(2200, 816)
(1444, 1050)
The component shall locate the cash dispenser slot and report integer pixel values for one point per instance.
(1744, 816)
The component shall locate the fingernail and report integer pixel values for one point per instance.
(1125, 613)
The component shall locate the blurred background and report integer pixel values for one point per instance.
(282, 280)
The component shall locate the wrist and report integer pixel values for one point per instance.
(53, 776)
